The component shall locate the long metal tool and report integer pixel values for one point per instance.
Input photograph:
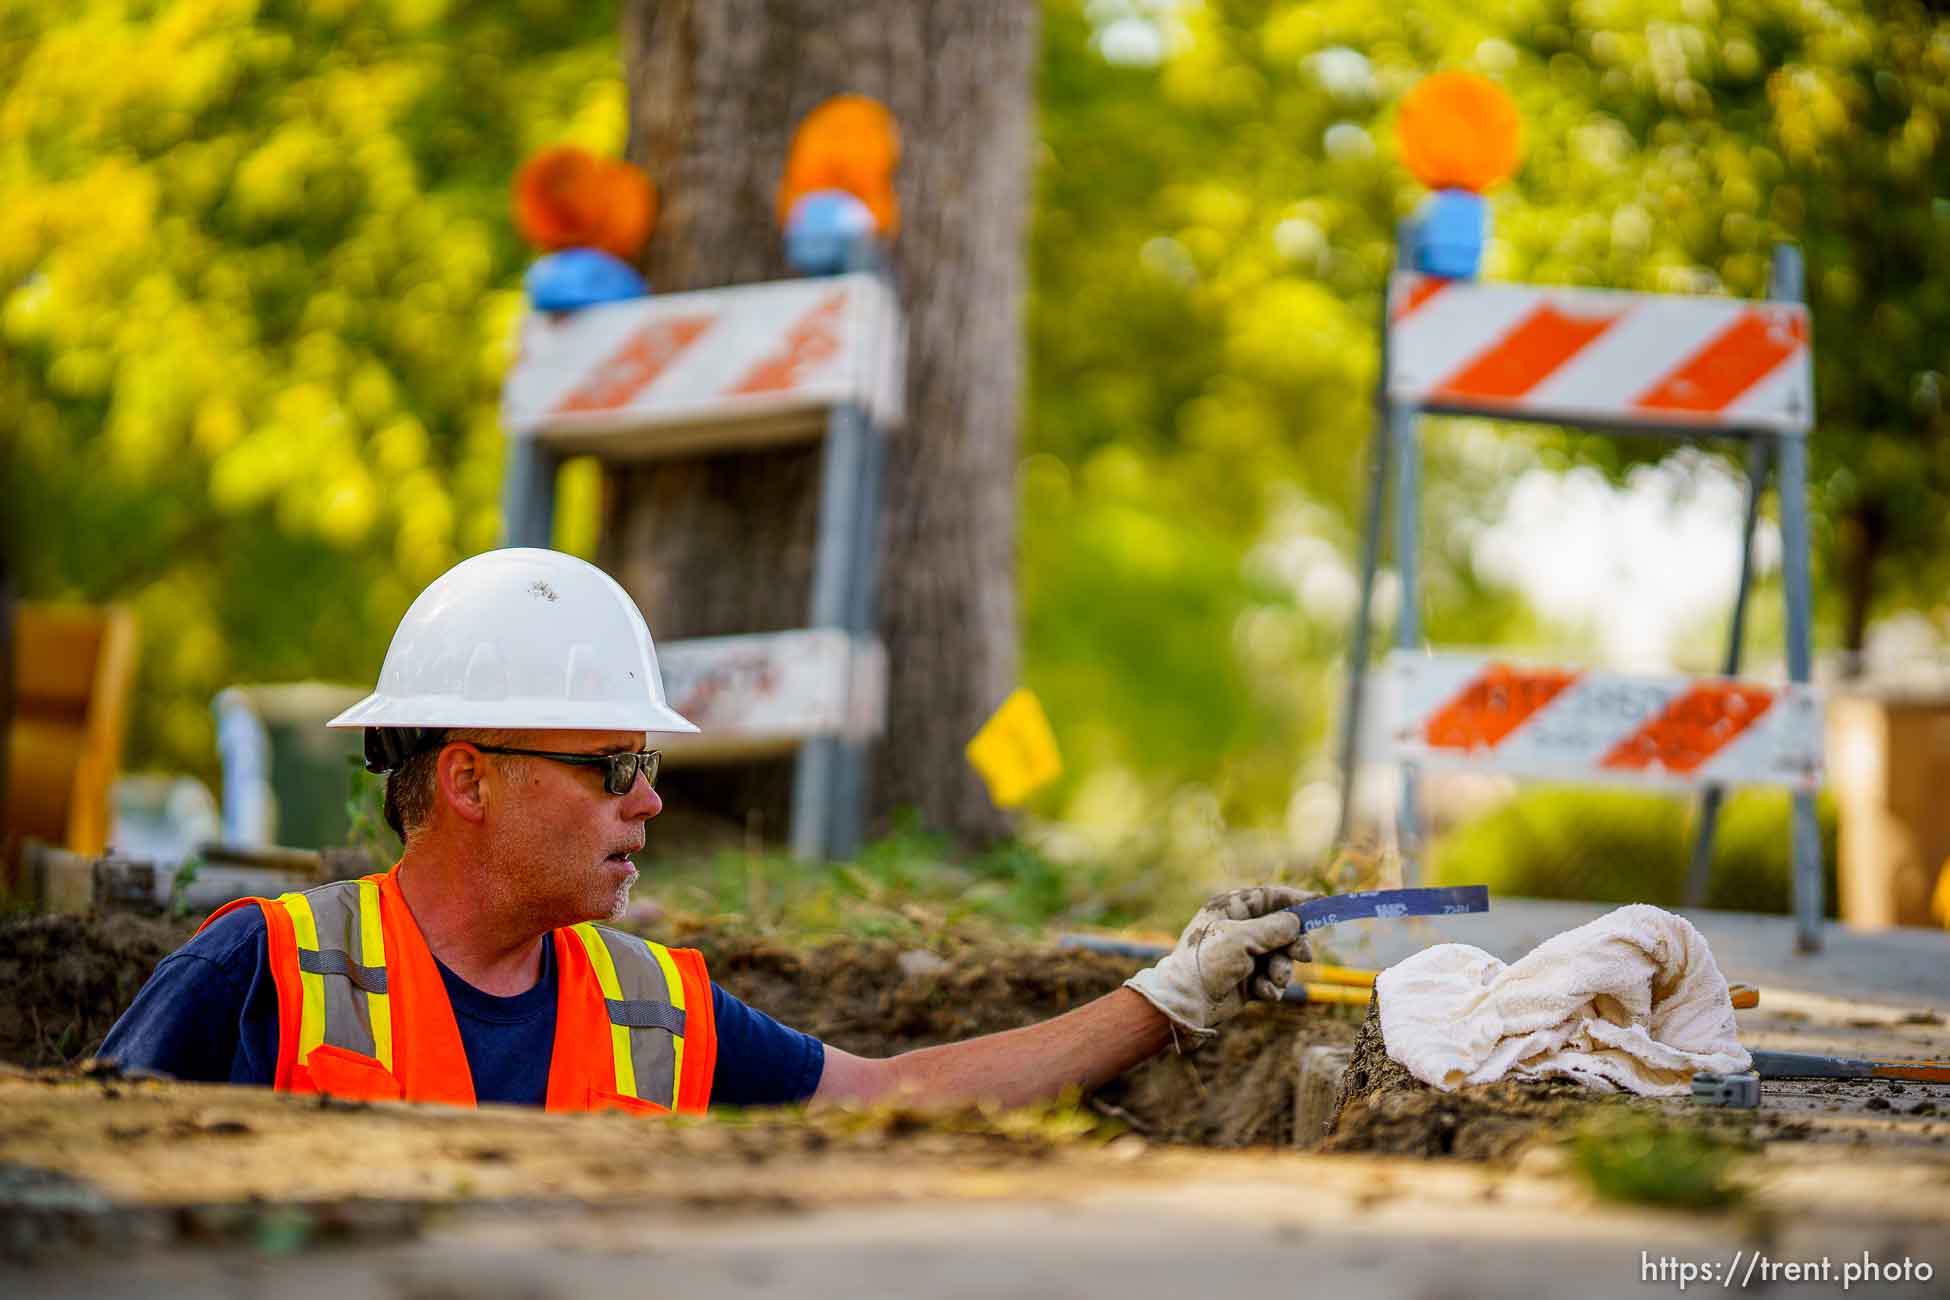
(1329, 909)
(1330, 984)
(1808, 1065)
(1384, 904)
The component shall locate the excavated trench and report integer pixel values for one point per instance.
(63, 981)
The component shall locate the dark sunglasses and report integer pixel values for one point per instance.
(620, 771)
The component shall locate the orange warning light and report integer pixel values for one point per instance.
(569, 198)
(1459, 131)
(848, 143)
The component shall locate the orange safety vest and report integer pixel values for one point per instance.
(363, 1012)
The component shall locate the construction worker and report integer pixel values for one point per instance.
(512, 716)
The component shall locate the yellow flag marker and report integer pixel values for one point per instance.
(1015, 752)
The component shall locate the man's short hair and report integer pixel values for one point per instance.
(409, 787)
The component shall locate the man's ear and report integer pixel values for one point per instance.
(459, 780)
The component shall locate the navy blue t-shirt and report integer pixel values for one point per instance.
(210, 1014)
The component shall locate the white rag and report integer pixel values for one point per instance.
(1633, 1000)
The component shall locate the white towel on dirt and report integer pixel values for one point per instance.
(1633, 1000)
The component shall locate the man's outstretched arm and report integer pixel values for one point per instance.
(1240, 944)
(1087, 1047)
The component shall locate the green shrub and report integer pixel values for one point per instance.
(1646, 1160)
(914, 884)
(1611, 846)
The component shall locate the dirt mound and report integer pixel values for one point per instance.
(1387, 1110)
(64, 980)
(879, 998)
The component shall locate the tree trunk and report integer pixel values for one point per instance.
(1864, 530)
(721, 545)
(7, 845)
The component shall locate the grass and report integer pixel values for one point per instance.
(913, 884)
(1650, 1160)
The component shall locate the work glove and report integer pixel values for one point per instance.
(1241, 944)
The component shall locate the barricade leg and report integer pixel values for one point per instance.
(528, 493)
(815, 778)
(1806, 833)
(1407, 455)
(1357, 651)
(1760, 458)
(851, 778)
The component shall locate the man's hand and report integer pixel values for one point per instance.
(1241, 943)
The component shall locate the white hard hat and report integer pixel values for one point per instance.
(520, 638)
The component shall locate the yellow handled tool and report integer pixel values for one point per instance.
(1343, 975)
(1339, 995)
(1314, 981)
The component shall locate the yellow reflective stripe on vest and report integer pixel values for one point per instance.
(675, 984)
(341, 970)
(311, 1028)
(372, 952)
(619, 1035)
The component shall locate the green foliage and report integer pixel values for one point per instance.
(179, 883)
(365, 815)
(256, 283)
(1647, 1159)
(1212, 237)
(913, 885)
(1612, 846)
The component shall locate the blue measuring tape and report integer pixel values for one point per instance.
(1452, 900)
(1449, 900)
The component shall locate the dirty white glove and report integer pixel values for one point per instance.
(1241, 943)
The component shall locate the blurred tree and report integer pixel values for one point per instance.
(256, 277)
(723, 545)
(6, 680)
(1713, 130)
(1215, 223)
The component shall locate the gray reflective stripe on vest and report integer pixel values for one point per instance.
(647, 1013)
(348, 1017)
(333, 961)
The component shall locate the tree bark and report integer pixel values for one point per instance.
(719, 545)
(8, 847)
(1864, 530)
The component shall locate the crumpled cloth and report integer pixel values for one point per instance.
(1632, 1001)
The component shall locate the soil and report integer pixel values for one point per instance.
(856, 995)
(1388, 1111)
(64, 980)
(117, 1185)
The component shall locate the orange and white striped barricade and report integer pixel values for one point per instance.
(705, 371)
(764, 694)
(1601, 728)
(700, 373)
(1628, 363)
(1582, 356)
